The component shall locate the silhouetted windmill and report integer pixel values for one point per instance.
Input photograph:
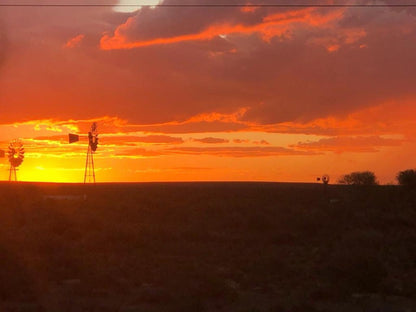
(16, 155)
(89, 174)
(325, 179)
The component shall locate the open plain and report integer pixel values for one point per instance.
(207, 247)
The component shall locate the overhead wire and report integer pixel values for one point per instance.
(218, 5)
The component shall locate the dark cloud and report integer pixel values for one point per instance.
(211, 140)
(314, 83)
(229, 151)
(3, 43)
(152, 139)
(261, 142)
(164, 22)
(358, 144)
(240, 141)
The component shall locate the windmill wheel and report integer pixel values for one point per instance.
(16, 153)
(325, 179)
(93, 137)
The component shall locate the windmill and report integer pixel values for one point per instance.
(89, 174)
(324, 179)
(16, 155)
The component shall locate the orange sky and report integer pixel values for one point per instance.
(197, 94)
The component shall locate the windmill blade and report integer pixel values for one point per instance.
(73, 138)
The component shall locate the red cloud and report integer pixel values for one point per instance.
(271, 26)
(74, 42)
(262, 142)
(239, 151)
(239, 141)
(360, 144)
(292, 86)
(211, 140)
(151, 139)
(248, 9)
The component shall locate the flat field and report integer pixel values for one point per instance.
(207, 247)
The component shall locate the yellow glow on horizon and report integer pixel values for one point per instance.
(279, 152)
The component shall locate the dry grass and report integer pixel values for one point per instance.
(204, 246)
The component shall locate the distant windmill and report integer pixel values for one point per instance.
(89, 174)
(16, 155)
(324, 179)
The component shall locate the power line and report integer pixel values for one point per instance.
(225, 5)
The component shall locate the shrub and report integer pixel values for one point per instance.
(407, 178)
(359, 178)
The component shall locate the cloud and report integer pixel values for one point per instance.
(121, 139)
(128, 6)
(335, 40)
(75, 41)
(336, 80)
(138, 153)
(3, 43)
(52, 138)
(261, 142)
(111, 146)
(280, 76)
(189, 168)
(359, 144)
(391, 118)
(270, 26)
(211, 140)
(239, 151)
(240, 141)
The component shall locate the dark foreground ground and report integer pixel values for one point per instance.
(207, 247)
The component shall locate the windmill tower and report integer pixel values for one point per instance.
(16, 155)
(89, 174)
(2, 154)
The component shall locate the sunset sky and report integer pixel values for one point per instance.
(209, 93)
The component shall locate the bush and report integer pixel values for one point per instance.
(407, 178)
(359, 178)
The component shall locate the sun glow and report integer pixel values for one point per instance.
(128, 6)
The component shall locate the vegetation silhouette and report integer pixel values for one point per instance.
(407, 178)
(359, 178)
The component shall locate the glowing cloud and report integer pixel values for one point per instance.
(276, 25)
(74, 42)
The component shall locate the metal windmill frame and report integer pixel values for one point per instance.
(89, 173)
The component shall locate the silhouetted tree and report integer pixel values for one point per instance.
(407, 178)
(359, 178)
